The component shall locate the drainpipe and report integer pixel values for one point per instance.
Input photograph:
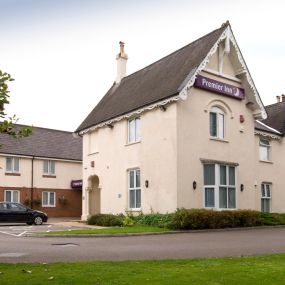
(32, 182)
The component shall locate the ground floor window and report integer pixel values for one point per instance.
(134, 189)
(265, 197)
(48, 199)
(12, 196)
(219, 186)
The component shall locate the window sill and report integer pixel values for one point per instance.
(127, 144)
(47, 206)
(266, 161)
(49, 176)
(134, 210)
(218, 139)
(220, 209)
(12, 174)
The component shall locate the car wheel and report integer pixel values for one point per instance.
(38, 220)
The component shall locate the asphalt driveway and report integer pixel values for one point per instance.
(183, 245)
(53, 224)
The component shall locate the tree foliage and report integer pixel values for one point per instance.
(7, 124)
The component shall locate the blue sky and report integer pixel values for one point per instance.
(62, 52)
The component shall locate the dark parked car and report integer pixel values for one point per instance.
(18, 213)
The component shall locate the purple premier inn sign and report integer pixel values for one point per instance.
(219, 87)
(76, 184)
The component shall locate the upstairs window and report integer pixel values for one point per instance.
(12, 164)
(134, 130)
(217, 123)
(264, 147)
(49, 167)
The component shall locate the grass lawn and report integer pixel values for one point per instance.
(239, 270)
(114, 230)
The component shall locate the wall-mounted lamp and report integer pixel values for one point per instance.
(92, 164)
(241, 118)
(241, 187)
(194, 185)
(146, 183)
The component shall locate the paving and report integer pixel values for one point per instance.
(53, 224)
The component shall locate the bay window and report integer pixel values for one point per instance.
(219, 186)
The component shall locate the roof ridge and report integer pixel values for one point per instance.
(276, 103)
(222, 27)
(43, 128)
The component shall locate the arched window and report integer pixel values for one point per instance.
(217, 123)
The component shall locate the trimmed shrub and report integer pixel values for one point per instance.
(106, 220)
(272, 219)
(155, 220)
(192, 219)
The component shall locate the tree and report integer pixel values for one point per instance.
(7, 124)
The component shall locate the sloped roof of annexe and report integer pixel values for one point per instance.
(46, 143)
(276, 116)
(157, 82)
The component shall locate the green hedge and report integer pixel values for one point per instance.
(155, 220)
(106, 220)
(192, 219)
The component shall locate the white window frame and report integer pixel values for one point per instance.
(48, 198)
(266, 194)
(217, 186)
(136, 188)
(49, 167)
(13, 200)
(134, 130)
(264, 150)
(13, 170)
(220, 123)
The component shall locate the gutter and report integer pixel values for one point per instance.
(32, 182)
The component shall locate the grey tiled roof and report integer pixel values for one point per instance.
(262, 127)
(44, 143)
(276, 116)
(154, 83)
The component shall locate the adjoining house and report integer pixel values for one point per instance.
(43, 171)
(189, 130)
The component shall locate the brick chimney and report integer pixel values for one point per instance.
(121, 58)
(278, 99)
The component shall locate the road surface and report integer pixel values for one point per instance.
(183, 245)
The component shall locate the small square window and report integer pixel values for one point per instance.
(12, 164)
(12, 196)
(49, 167)
(48, 199)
